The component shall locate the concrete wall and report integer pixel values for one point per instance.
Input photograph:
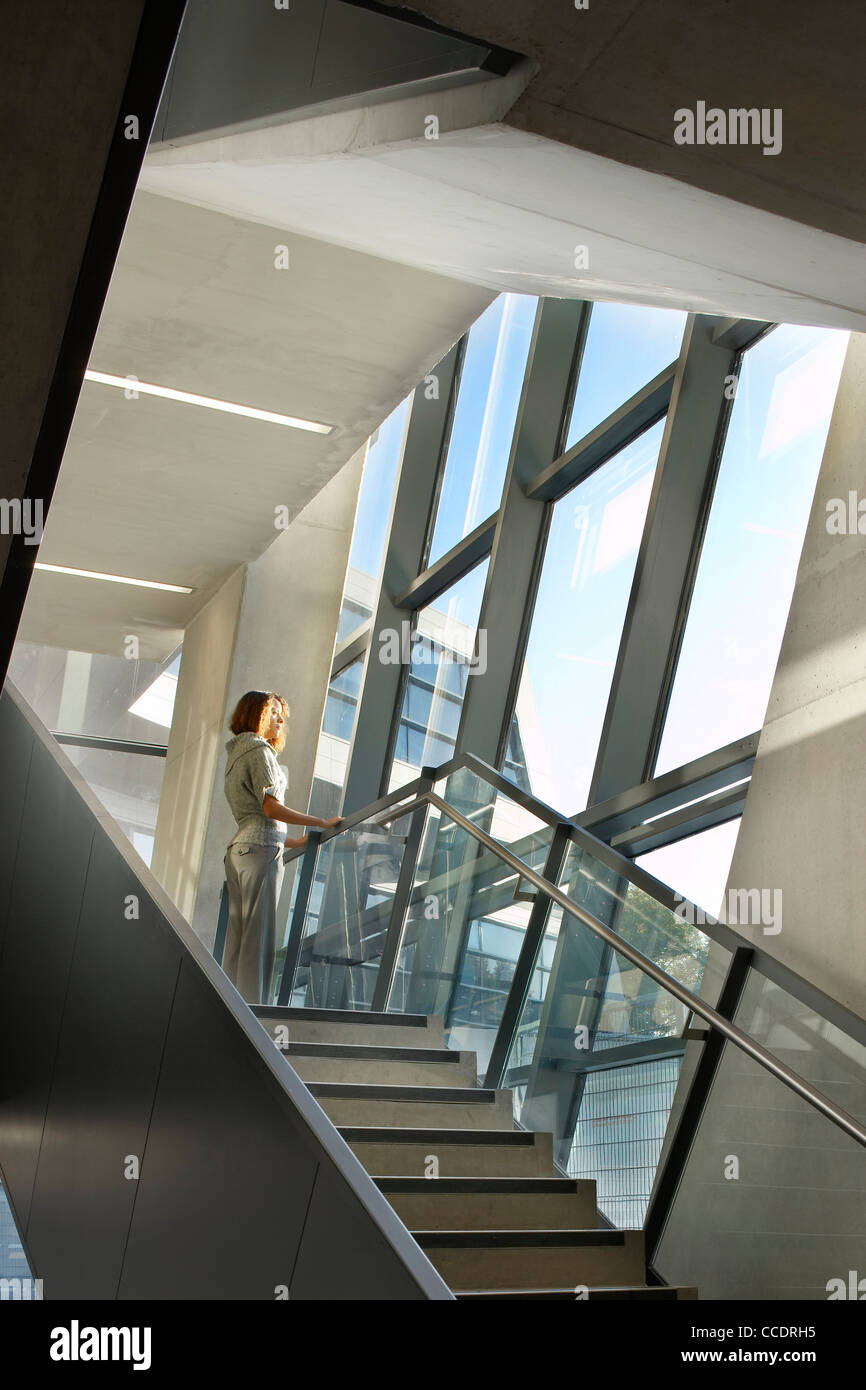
(803, 827)
(272, 627)
(195, 743)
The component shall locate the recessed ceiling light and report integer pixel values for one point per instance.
(115, 578)
(129, 383)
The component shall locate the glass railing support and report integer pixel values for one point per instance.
(402, 894)
(296, 930)
(526, 961)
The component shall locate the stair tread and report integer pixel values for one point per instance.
(292, 1011)
(372, 1090)
(395, 1134)
(659, 1291)
(397, 1183)
(539, 1235)
(373, 1052)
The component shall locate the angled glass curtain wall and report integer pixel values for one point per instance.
(332, 751)
(481, 433)
(697, 866)
(609, 1100)
(769, 468)
(627, 346)
(381, 465)
(440, 650)
(580, 609)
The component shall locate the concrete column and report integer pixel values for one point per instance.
(195, 742)
(271, 627)
(803, 826)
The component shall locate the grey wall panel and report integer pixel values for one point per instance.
(17, 745)
(53, 849)
(121, 983)
(223, 1159)
(337, 1251)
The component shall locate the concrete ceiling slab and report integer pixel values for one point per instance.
(506, 209)
(609, 77)
(168, 491)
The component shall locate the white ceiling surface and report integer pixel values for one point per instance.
(168, 491)
(504, 209)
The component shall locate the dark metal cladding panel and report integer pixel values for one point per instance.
(121, 982)
(343, 1257)
(16, 741)
(53, 842)
(227, 1162)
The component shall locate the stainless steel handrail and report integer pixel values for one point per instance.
(736, 1035)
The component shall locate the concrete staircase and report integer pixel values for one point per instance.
(498, 1221)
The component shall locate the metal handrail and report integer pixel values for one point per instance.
(729, 1030)
(357, 818)
(768, 967)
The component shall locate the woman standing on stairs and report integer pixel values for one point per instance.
(255, 785)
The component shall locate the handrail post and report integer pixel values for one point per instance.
(296, 931)
(523, 971)
(668, 1181)
(402, 894)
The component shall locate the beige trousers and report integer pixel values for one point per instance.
(254, 874)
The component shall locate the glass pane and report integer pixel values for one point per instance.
(444, 648)
(626, 347)
(90, 693)
(771, 1204)
(585, 585)
(761, 505)
(347, 916)
(384, 452)
(624, 1113)
(599, 1044)
(697, 868)
(128, 785)
(467, 916)
(480, 444)
(332, 753)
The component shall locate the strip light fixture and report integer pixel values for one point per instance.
(130, 383)
(115, 578)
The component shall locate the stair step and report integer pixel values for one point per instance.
(382, 1066)
(351, 1026)
(488, 1203)
(442, 1095)
(366, 1016)
(560, 1186)
(377, 1053)
(533, 1259)
(666, 1293)
(463, 1107)
(480, 1152)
